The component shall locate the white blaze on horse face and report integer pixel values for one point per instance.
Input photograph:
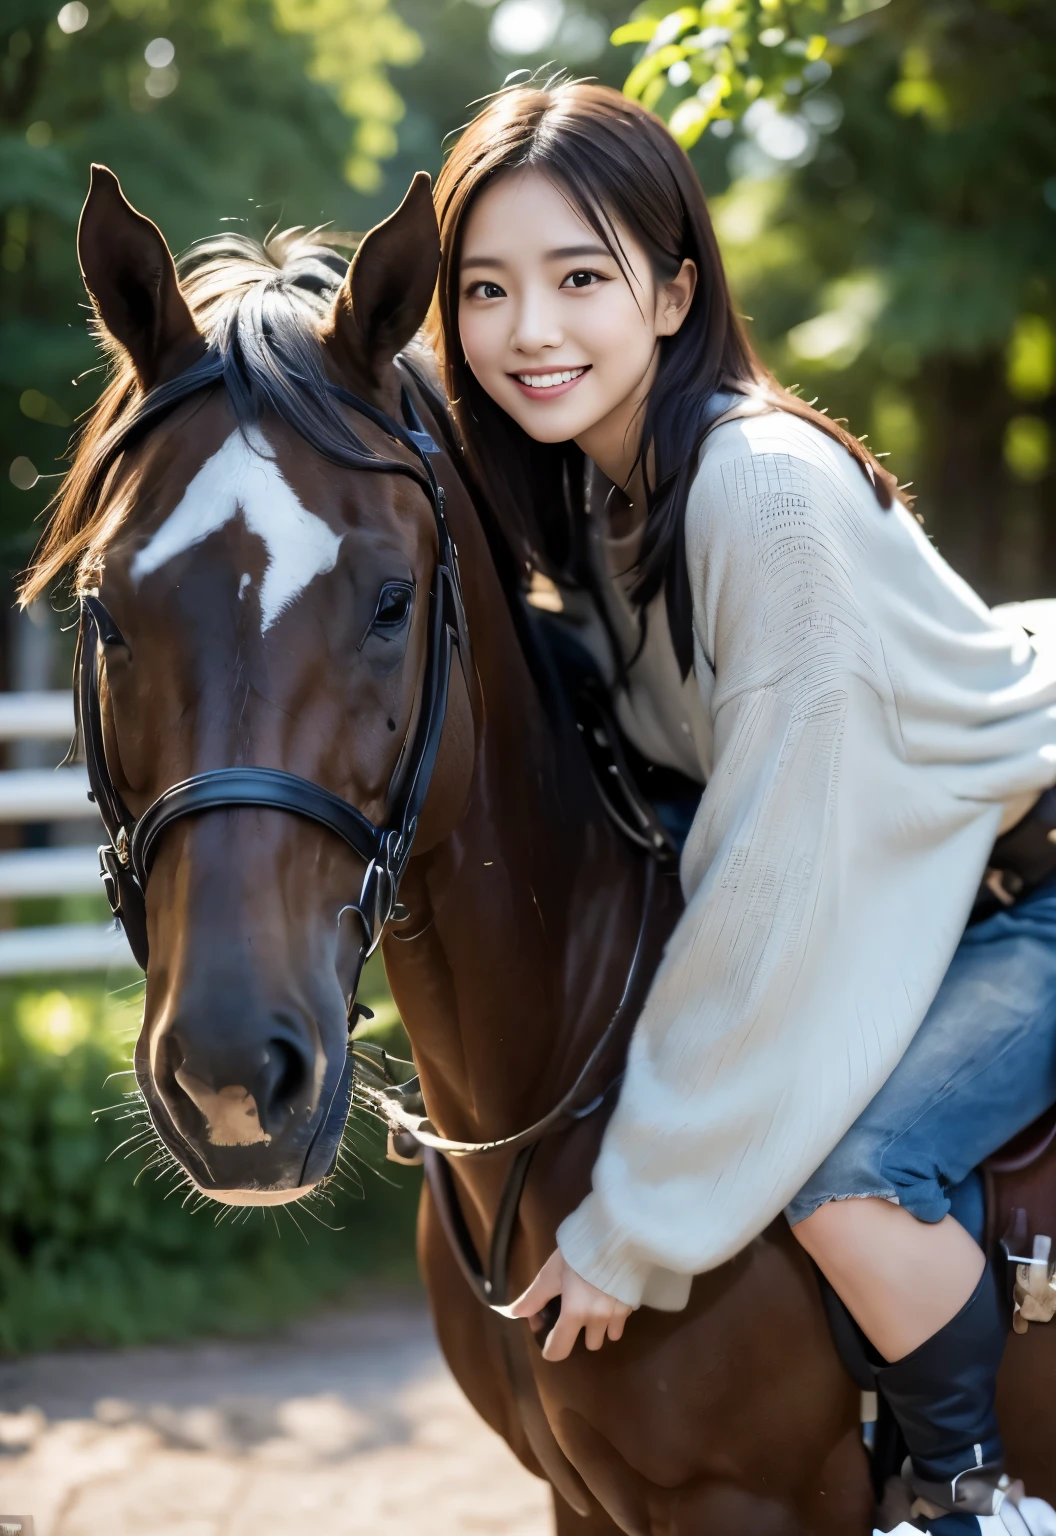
(243, 476)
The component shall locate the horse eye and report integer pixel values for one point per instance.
(394, 605)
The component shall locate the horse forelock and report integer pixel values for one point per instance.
(259, 308)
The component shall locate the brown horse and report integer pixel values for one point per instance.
(266, 607)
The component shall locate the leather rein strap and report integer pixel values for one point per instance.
(490, 1283)
(125, 862)
(576, 1104)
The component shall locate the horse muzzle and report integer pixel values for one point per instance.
(254, 1120)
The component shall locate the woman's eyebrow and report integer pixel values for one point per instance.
(565, 252)
(562, 253)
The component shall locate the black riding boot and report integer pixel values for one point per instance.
(942, 1396)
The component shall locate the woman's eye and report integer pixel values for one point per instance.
(394, 606)
(582, 280)
(486, 290)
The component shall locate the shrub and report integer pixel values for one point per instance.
(97, 1246)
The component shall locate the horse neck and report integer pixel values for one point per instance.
(530, 908)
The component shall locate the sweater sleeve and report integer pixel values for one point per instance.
(801, 967)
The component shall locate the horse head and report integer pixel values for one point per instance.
(262, 559)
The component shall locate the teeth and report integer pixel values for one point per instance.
(548, 380)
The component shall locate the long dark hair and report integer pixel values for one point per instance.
(620, 168)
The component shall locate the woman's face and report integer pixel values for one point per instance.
(561, 337)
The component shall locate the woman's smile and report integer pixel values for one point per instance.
(547, 386)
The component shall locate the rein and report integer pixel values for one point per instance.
(398, 1097)
(412, 1138)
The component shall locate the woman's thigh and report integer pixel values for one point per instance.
(981, 1067)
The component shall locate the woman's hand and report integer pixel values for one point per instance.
(582, 1306)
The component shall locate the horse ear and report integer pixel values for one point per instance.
(129, 273)
(389, 286)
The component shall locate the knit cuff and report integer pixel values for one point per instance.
(593, 1246)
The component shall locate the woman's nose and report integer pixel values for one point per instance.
(536, 329)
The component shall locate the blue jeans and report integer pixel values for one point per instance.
(981, 1067)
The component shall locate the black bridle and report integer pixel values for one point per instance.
(125, 861)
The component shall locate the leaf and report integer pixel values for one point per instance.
(689, 120)
(652, 65)
(38, 178)
(634, 32)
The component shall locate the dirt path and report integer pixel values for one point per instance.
(343, 1426)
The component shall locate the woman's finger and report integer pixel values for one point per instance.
(563, 1335)
(595, 1331)
(616, 1324)
(545, 1286)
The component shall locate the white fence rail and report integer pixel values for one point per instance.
(36, 716)
(50, 795)
(44, 794)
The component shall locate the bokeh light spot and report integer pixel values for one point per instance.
(159, 53)
(582, 37)
(72, 17)
(162, 82)
(525, 26)
(53, 1021)
(1027, 447)
(23, 473)
(40, 407)
(1032, 358)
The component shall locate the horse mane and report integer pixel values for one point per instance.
(259, 307)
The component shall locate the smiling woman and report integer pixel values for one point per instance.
(564, 218)
(549, 314)
(787, 1055)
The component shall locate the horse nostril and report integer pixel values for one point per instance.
(285, 1077)
(245, 1091)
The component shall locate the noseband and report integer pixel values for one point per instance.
(126, 860)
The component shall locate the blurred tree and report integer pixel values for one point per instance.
(884, 183)
(252, 111)
(258, 111)
(469, 48)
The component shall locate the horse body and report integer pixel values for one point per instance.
(250, 580)
(527, 918)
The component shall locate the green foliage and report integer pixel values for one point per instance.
(709, 62)
(351, 46)
(98, 1246)
(252, 112)
(887, 211)
(459, 67)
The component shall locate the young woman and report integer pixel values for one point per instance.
(825, 1033)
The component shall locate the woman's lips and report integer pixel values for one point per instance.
(548, 391)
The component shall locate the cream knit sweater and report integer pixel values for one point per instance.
(865, 724)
